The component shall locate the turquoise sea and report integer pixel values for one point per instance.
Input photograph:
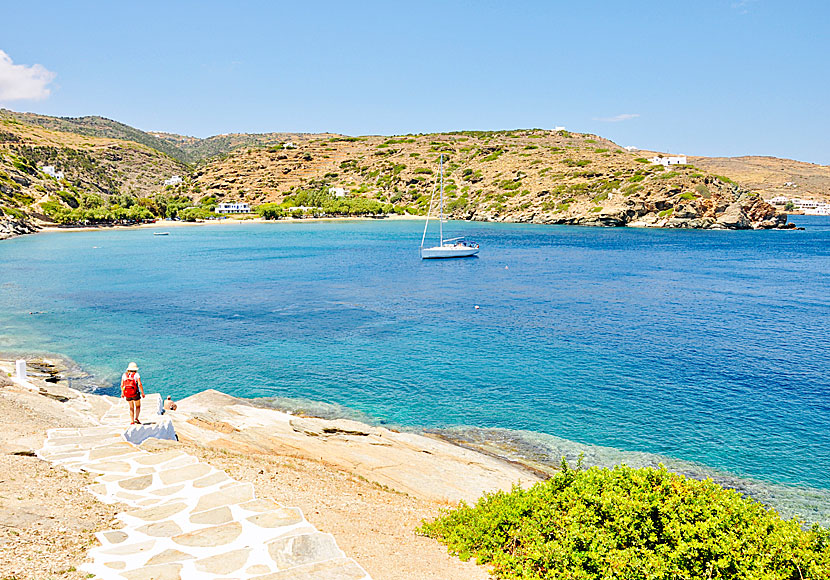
(704, 350)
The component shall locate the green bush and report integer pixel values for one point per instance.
(576, 162)
(703, 190)
(625, 523)
(494, 155)
(424, 170)
(642, 160)
(193, 214)
(271, 211)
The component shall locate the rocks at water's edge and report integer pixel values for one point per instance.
(10, 228)
(719, 212)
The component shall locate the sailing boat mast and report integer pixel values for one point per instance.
(441, 227)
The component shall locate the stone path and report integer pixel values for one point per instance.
(188, 519)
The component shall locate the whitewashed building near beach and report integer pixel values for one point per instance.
(811, 206)
(338, 191)
(780, 200)
(52, 171)
(234, 207)
(669, 160)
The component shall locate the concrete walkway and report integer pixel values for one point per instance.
(188, 520)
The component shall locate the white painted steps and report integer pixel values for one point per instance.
(188, 520)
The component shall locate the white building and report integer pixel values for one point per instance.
(175, 180)
(289, 145)
(559, 128)
(779, 200)
(52, 171)
(236, 207)
(670, 160)
(338, 191)
(631, 148)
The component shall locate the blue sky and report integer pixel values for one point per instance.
(718, 77)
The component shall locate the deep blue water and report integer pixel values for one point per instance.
(704, 346)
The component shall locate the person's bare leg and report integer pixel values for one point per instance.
(137, 410)
(131, 404)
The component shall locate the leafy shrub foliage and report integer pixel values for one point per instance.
(626, 523)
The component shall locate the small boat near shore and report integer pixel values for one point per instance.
(161, 233)
(450, 248)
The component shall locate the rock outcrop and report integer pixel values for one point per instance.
(10, 228)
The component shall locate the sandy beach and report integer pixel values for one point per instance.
(367, 486)
(166, 224)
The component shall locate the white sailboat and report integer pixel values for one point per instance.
(453, 247)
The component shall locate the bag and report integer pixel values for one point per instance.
(130, 386)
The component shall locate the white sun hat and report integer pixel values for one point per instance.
(132, 367)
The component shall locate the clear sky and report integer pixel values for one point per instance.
(708, 77)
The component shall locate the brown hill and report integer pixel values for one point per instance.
(768, 175)
(523, 176)
(93, 168)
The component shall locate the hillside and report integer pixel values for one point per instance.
(523, 176)
(93, 126)
(194, 149)
(97, 171)
(530, 175)
(768, 175)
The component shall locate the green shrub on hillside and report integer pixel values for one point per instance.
(494, 155)
(509, 184)
(625, 523)
(576, 162)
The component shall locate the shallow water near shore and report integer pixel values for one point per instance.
(703, 348)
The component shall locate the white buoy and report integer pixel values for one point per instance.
(477, 307)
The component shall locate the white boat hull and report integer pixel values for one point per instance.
(448, 252)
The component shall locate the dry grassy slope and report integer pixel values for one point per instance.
(193, 149)
(527, 176)
(99, 165)
(767, 175)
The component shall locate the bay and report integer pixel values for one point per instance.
(707, 348)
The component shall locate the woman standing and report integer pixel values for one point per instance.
(133, 391)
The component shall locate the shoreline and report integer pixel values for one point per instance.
(536, 456)
(217, 222)
(293, 461)
(391, 217)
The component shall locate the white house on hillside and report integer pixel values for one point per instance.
(236, 207)
(175, 180)
(338, 191)
(671, 160)
(289, 145)
(52, 171)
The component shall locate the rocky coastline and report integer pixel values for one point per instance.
(10, 228)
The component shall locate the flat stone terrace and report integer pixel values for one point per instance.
(187, 520)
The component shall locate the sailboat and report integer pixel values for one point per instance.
(453, 247)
